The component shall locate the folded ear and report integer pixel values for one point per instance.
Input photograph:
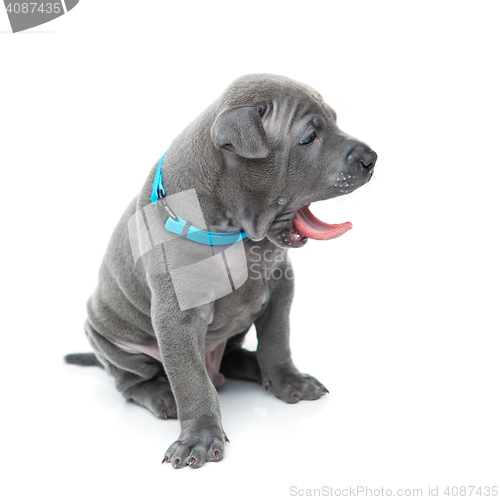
(240, 130)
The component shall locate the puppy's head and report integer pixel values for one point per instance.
(282, 150)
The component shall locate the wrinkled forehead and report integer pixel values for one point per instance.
(253, 90)
(284, 104)
(287, 114)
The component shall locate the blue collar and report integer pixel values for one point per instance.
(175, 224)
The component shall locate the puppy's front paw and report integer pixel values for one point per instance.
(201, 440)
(292, 386)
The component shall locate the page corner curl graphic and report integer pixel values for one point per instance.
(25, 15)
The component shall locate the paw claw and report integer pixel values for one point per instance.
(200, 441)
(292, 386)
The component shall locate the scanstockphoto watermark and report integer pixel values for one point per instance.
(269, 264)
(201, 268)
(370, 492)
(203, 264)
(355, 491)
(26, 15)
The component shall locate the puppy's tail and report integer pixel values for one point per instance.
(82, 359)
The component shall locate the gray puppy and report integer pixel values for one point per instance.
(168, 332)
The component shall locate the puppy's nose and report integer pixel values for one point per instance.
(368, 159)
(360, 155)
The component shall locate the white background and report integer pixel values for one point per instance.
(398, 318)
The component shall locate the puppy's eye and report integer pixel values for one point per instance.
(309, 139)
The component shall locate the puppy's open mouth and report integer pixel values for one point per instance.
(309, 226)
(302, 225)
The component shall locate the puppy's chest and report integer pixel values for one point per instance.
(237, 311)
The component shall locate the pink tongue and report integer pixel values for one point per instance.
(306, 224)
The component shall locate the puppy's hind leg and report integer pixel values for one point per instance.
(239, 363)
(155, 395)
(139, 377)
